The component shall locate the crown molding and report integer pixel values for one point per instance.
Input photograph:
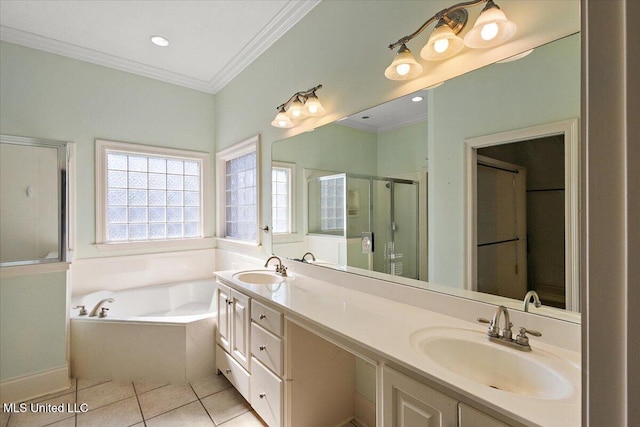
(280, 24)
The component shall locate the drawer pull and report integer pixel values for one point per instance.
(263, 316)
(262, 395)
(228, 371)
(262, 347)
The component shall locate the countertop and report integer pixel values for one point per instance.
(385, 328)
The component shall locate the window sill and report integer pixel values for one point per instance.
(239, 245)
(160, 244)
(25, 270)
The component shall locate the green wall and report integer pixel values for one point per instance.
(544, 87)
(403, 150)
(49, 96)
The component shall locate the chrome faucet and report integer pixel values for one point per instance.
(304, 257)
(280, 269)
(94, 312)
(527, 300)
(521, 342)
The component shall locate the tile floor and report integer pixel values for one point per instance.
(211, 402)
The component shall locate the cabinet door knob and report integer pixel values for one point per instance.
(262, 347)
(262, 395)
(263, 316)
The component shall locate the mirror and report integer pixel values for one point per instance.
(33, 201)
(435, 149)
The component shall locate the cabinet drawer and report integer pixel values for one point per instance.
(231, 369)
(267, 348)
(266, 394)
(267, 317)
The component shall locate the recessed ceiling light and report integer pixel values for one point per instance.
(417, 98)
(159, 41)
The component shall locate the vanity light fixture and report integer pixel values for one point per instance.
(301, 105)
(492, 28)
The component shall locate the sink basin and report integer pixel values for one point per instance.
(468, 354)
(259, 277)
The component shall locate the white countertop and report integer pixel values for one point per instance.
(385, 327)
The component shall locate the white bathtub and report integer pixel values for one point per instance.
(161, 333)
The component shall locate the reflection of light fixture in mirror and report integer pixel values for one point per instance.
(300, 105)
(516, 57)
(404, 65)
(491, 29)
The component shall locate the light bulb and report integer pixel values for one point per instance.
(404, 66)
(441, 45)
(282, 120)
(489, 31)
(313, 107)
(492, 28)
(295, 110)
(403, 69)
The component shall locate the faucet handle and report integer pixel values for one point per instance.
(83, 310)
(103, 313)
(483, 320)
(492, 330)
(522, 337)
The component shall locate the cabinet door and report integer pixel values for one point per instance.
(240, 328)
(471, 417)
(224, 326)
(409, 403)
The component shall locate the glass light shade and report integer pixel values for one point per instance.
(295, 111)
(404, 66)
(442, 44)
(312, 107)
(492, 28)
(282, 120)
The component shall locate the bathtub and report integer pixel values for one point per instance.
(161, 333)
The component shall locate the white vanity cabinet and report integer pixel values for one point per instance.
(232, 337)
(409, 403)
(471, 417)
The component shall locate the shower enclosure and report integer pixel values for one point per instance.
(377, 217)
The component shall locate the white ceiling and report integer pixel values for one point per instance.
(391, 115)
(211, 41)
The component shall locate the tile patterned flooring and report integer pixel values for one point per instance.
(212, 402)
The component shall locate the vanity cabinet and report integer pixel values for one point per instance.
(471, 417)
(232, 337)
(409, 403)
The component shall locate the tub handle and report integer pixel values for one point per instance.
(83, 310)
(103, 313)
(262, 347)
(262, 395)
(228, 371)
(262, 316)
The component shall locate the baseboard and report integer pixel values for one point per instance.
(365, 412)
(31, 386)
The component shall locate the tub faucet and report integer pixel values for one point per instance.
(95, 310)
(527, 300)
(304, 257)
(280, 269)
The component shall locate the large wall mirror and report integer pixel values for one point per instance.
(468, 188)
(33, 201)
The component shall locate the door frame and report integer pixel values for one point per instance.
(568, 128)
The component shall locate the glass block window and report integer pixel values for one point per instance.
(150, 197)
(241, 196)
(332, 198)
(281, 198)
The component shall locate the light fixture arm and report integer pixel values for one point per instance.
(303, 95)
(444, 15)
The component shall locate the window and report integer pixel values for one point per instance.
(149, 194)
(282, 177)
(332, 202)
(238, 192)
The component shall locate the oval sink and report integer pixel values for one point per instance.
(259, 277)
(467, 353)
